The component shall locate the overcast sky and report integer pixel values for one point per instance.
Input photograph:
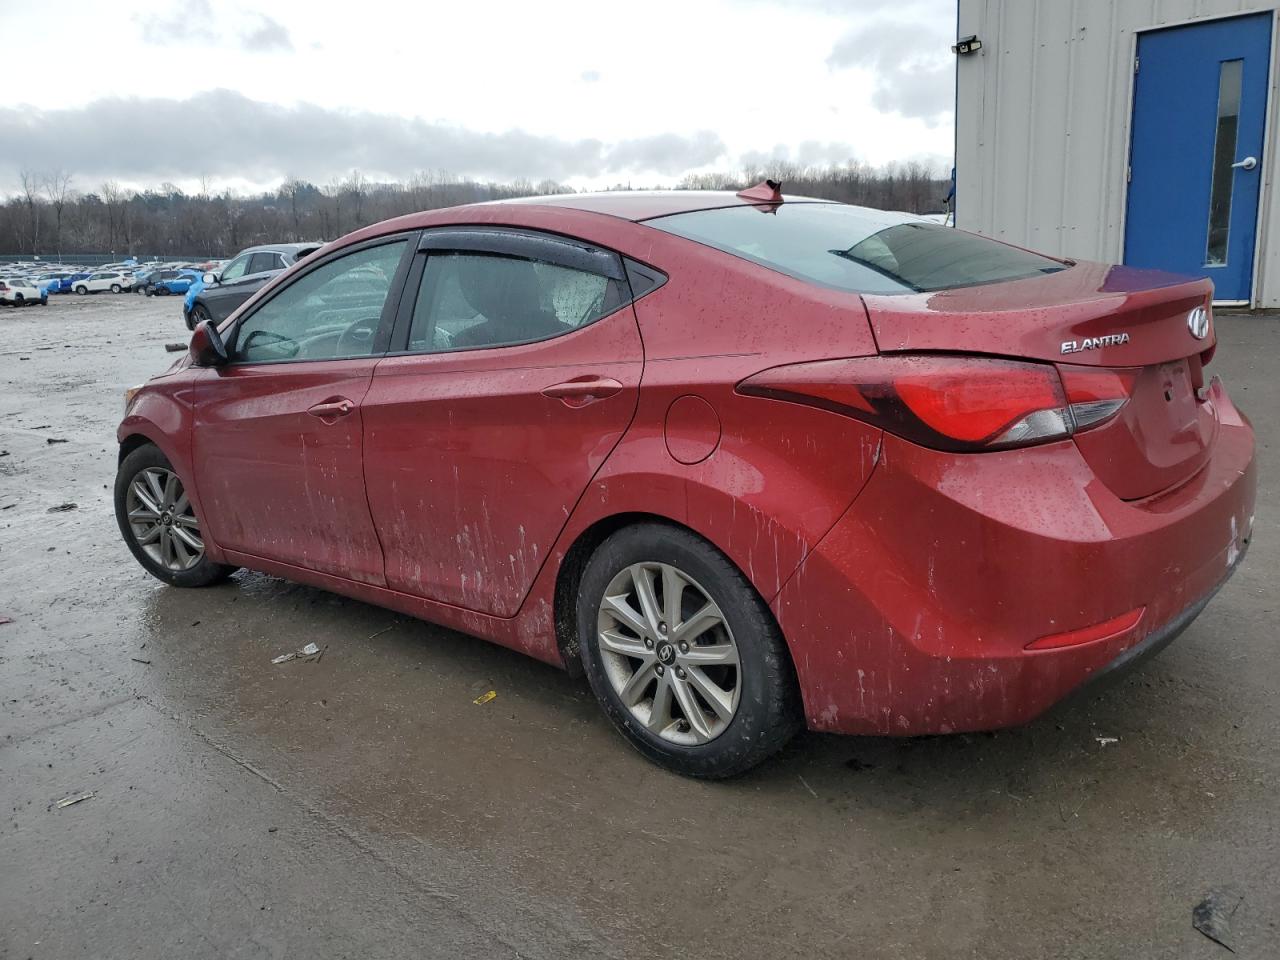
(588, 93)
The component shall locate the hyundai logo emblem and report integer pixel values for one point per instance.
(1198, 323)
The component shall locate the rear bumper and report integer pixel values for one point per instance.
(914, 613)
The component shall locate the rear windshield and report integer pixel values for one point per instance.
(857, 249)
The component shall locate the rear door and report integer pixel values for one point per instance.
(517, 371)
(1199, 112)
(278, 433)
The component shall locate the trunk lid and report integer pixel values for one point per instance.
(1090, 315)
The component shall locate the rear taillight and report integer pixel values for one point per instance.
(952, 402)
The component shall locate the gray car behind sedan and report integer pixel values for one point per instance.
(243, 276)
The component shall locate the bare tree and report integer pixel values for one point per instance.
(291, 188)
(111, 198)
(57, 187)
(358, 187)
(334, 191)
(31, 201)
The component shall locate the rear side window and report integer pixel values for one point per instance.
(472, 300)
(856, 249)
(263, 262)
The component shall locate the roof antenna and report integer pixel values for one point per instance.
(770, 191)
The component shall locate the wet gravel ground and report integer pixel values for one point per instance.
(363, 806)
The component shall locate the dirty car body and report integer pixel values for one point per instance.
(903, 500)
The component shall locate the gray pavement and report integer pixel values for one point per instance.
(364, 806)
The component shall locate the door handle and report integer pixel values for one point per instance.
(1248, 163)
(581, 391)
(332, 408)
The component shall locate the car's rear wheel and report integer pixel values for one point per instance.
(115, 288)
(159, 524)
(683, 654)
(198, 315)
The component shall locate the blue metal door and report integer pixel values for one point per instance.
(1199, 113)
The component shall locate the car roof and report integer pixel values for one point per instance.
(638, 205)
(290, 248)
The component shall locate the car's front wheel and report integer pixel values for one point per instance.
(82, 290)
(159, 523)
(683, 654)
(198, 315)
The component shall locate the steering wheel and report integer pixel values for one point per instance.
(357, 339)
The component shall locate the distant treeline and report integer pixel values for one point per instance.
(49, 216)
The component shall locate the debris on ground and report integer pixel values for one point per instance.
(384, 630)
(63, 508)
(310, 652)
(1212, 916)
(73, 799)
(175, 347)
(136, 660)
(485, 698)
(4, 453)
(857, 766)
(53, 440)
(4, 620)
(1107, 741)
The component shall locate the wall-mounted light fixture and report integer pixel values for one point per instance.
(966, 45)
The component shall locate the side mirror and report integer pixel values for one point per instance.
(207, 348)
(210, 278)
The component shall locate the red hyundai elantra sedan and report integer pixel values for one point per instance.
(749, 463)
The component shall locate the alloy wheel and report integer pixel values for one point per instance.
(669, 654)
(162, 520)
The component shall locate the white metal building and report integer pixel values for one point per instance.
(1134, 131)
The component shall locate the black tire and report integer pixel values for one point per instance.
(205, 572)
(82, 291)
(162, 291)
(19, 299)
(768, 712)
(115, 288)
(198, 315)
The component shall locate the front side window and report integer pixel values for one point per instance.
(236, 268)
(331, 312)
(856, 249)
(473, 300)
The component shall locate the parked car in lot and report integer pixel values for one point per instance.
(148, 283)
(48, 282)
(67, 284)
(222, 291)
(102, 281)
(750, 463)
(173, 281)
(21, 292)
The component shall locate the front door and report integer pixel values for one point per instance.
(519, 371)
(1199, 114)
(279, 433)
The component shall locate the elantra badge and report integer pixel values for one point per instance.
(1094, 343)
(1198, 323)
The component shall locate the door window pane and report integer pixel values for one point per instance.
(235, 269)
(263, 262)
(471, 300)
(1224, 155)
(330, 313)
